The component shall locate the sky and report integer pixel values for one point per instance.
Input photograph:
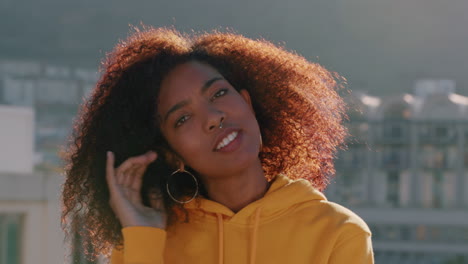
(380, 46)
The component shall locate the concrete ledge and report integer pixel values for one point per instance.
(18, 187)
(406, 216)
(421, 247)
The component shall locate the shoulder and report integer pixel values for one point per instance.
(337, 217)
(350, 235)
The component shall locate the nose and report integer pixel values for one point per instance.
(215, 119)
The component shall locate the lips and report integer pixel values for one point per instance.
(225, 138)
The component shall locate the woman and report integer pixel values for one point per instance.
(217, 149)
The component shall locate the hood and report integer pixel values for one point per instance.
(282, 194)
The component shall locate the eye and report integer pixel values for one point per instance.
(219, 93)
(181, 120)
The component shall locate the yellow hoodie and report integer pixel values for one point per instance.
(292, 223)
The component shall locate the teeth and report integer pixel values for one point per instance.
(228, 139)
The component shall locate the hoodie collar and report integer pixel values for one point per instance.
(282, 194)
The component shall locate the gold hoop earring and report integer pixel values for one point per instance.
(169, 192)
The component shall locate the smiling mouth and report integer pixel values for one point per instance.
(226, 140)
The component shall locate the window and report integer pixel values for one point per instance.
(353, 158)
(437, 132)
(393, 183)
(440, 132)
(393, 158)
(394, 131)
(10, 238)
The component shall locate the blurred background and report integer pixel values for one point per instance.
(406, 167)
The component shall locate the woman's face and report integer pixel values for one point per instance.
(194, 99)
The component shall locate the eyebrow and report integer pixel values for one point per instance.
(185, 102)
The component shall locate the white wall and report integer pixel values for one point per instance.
(36, 199)
(16, 139)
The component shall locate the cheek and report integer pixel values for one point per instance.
(188, 145)
(245, 112)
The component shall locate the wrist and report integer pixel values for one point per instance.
(156, 223)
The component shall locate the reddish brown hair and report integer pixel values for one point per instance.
(296, 104)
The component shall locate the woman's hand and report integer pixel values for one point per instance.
(125, 184)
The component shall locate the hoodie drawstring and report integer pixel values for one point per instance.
(253, 250)
(220, 239)
(253, 239)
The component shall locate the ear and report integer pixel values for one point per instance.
(245, 94)
(174, 160)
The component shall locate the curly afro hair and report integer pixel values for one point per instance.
(296, 104)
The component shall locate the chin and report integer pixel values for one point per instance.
(241, 164)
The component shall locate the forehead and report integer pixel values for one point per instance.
(183, 81)
(187, 75)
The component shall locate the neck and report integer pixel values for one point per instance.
(238, 190)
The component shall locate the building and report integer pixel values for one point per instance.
(406, 173)
(54, 92)
(29, 202)
(37, 105)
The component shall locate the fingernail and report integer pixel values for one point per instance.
(109, 154)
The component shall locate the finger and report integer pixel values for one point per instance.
(130, 175)
(120, 177)
(140, 171)
(124, 174)
(151, 155)
(110, 171)
(123, 171)
(138, 179)
(137, 159)
(136, 168)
